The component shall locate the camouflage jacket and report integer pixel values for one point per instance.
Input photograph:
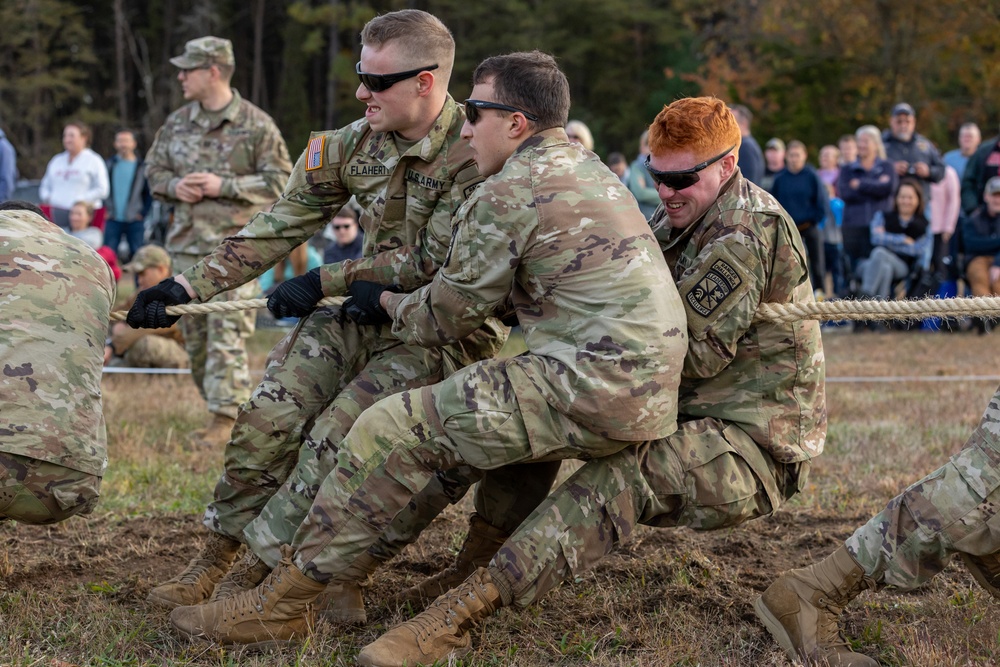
(407, 201)
(558, 236)
(55, 296)
(769, 379)
(246, 150)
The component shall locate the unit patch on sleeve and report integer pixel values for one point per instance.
(314, 153)
(720, 281)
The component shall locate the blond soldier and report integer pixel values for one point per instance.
(55, 296)
(409, 169)
(553, 233)
(752, 410)
(217, 160)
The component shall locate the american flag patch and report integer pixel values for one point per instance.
(314, 153)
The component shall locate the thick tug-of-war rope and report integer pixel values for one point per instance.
(824, 311)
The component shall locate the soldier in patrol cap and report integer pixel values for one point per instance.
(953, 510)
(217, 161)
(146, 348)
(751, 408)
(409, 168)
(55, 295)
(552, 234)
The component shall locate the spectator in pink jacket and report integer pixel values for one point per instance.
(946, 204)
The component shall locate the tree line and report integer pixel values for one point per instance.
(810, 71)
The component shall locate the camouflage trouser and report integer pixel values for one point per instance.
(394, 450)
(156, 352)
(707, 475)
(216, 345)
(952, 510)
(38, 492)
(318, 380)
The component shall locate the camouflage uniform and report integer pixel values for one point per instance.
(55, 296)
(752, 406)
(952, 510)
(558, 236)
(243, 146)
(328, 370)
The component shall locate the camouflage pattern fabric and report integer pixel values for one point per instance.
(751, 405)
(952, 510)
(55, 296)
(37, 492)
(216, 346)
(769, 379)
(156, 352)
(244, 148)
(556, 234)
(708, 475)
(318, 378)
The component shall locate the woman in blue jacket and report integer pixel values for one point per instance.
(866, 186)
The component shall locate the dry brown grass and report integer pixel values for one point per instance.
(75, 593)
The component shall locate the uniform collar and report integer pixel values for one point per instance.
(228, 112)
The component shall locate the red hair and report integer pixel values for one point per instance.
(703, 125)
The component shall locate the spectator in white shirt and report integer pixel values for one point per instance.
(76, 174)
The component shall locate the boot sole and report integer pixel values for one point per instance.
(367, 661)
(776, 629)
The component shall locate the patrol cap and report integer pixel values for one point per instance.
(993, 185)
(148, 256)
(775, 143)
(205, 51)
(903, 109)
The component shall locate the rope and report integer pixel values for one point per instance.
(824, 311)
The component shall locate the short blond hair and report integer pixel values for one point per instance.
(703, 125)
(422, 38)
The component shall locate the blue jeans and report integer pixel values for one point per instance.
(133, 231)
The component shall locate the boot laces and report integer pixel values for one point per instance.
(446, 612)
(828, 632)
(251, 601)
(198, 566)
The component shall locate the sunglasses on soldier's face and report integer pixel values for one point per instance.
(377, 83)
(685, 178)
(472, 108)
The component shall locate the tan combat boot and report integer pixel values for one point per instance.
(986, 571)
(342, 601)
(482, 542)
(275, 613)
(247, 574)
(216, 433)
(197, 581)
(802, 607)
(440, 633)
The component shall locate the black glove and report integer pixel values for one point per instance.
(296, 297)
(363, 307)
(150, 308)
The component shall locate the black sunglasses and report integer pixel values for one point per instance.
(376, 83)
(472, 108)
(685, 178)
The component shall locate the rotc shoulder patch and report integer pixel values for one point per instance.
(715, 286)
(314, 153)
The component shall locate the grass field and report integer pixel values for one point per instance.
(75, 593)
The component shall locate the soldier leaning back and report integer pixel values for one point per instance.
(217, 160)
(410, 169)
(55, 295)
(554, 233)
(751, 407)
